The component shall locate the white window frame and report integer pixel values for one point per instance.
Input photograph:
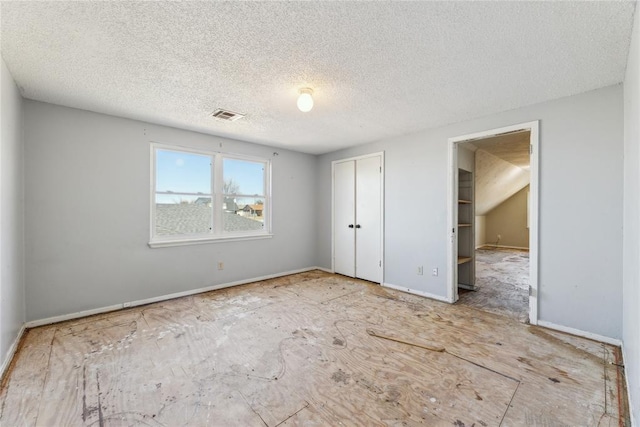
(217, 233)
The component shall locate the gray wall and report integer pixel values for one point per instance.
(466, 159)
(509, 220)
(87, 214)
(631, 276)
(581, 144)
(12, 301)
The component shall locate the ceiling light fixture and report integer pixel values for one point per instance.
(305, 100)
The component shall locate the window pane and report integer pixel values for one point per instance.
(243, 177)
(181, 172)
(243, 214)
(178, 214)
(185, 196)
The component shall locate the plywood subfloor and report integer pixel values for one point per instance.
(310, 349)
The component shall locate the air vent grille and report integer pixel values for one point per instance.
(229, 116)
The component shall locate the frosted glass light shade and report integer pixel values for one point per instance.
(305, 100)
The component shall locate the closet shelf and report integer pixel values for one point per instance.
(464, 233)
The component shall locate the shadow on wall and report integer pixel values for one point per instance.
(508, 223)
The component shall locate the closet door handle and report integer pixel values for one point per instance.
(358, 226)
(350, 225)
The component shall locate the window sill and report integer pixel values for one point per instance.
(204, 240)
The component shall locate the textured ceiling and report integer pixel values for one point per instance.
(378, 69)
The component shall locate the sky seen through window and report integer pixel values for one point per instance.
(181, 172)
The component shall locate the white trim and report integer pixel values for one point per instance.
(71, 316)
(534, 216)
(452, 221)
(181, 148)
(333, 216)
(217, 232)
(626, 380)
(580, 333)
(8, 358)
(84, 313)
(382, 172)
(326, 270)
(364, 156)
(152, 190)
(534, 139)
(415, 292)
(207, 151)
(491, 132)
(489, 245)
(217, 200)
(203, 240)
(382, 185)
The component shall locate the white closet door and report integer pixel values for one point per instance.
(344, 218)
(368, 219)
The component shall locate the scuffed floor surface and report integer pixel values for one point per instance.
(502, 282)
(312, 349)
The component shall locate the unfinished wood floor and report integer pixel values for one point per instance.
(502, 283)
(306, 350)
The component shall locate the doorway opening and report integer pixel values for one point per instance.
(494, 221)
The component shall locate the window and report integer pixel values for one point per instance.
(243, 193)
(199, 196)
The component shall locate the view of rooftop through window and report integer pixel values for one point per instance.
(189, 200)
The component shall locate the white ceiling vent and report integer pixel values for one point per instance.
(227, 115)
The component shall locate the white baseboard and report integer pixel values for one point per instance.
(502, 247)
(580, 333)
(11, 352)
(326, 270)
(84, 313)
(76, 315)
(626, 380)
(416, 292)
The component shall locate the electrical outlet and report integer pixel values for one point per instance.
(420, 271)
(126, 304)
(434, 272)
(221, 266)
(499, 237)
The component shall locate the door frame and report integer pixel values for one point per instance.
(452, 271)
(333, 185)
